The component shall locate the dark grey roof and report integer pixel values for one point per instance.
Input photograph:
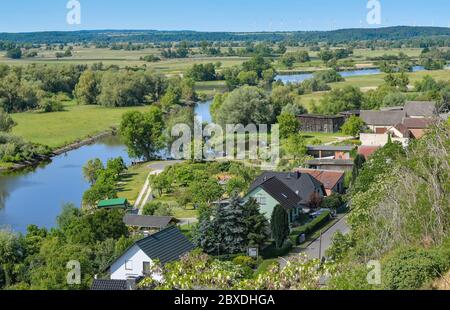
(166, 246)
(109, 285)
(302, 184)
(420, 108)
(382, 118)
(147, 221)
(281, 193)
(343, 148)
(321, 116)
(324, 161)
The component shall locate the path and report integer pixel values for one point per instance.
(320, 244)
(339, 139)
(145, 195)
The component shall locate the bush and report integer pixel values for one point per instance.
(410, 269)
(310, 227)
(273, 252)
(151, 207)
(332, 202)
(245, 261)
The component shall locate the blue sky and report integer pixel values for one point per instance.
(218, 15)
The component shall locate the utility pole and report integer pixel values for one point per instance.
(320, 246)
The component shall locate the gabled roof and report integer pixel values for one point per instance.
(328, 178)
(420, 108)
(321, 116)
(302, 184)
(366, 151)
(418, 123)
(166, 246)
(109, 285)
(382, 118)
(281, 193)
(326, 161)
(112, 203)
(332, 148)
(147, 221)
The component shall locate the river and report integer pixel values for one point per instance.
(297, 78)
(36, 196)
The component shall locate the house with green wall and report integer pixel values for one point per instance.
(292, 190)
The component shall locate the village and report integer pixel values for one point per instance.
(313, 198)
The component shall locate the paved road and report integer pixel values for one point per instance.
(312, 250)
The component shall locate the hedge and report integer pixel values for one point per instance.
(310, 227)
(273, 252)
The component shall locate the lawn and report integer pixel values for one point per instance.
(75, 123)
(132, 182)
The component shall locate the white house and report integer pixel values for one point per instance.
(164, 246)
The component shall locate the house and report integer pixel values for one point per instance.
(333, 181)
(380, 122)
(147, 223)
(367, 151)
(165, 246)
(320, 123)
(417, 126)
(381, 139)
(331, 164)
(118, 203)
(329, 151)
(292, 190)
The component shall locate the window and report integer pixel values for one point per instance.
(261, 200)
(129, 265)
(146, 267)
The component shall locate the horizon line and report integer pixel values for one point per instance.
(224, 31)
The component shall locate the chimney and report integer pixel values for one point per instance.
(299, 174)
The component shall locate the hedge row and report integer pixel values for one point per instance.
(310, 227)
(273, 252)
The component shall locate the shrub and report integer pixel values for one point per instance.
(410, 268)
(151, 207)
(245, 261)
(310, 227)
(273, 252)
(332, 202)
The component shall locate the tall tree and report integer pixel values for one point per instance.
(258, 231)
(92, 169)
(279, 225)
(143, 133)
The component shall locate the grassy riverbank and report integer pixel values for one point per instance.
(75, 123)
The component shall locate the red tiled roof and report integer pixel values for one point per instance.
(417, 123)
(328, 178)
(366, 151)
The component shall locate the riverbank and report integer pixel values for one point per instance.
(59, 151)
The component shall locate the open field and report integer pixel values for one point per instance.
(122, 58)
(61, 128)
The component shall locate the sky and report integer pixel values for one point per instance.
(219, 15)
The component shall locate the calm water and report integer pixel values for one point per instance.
(36, 197)
(297, 78)
(202, 111)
